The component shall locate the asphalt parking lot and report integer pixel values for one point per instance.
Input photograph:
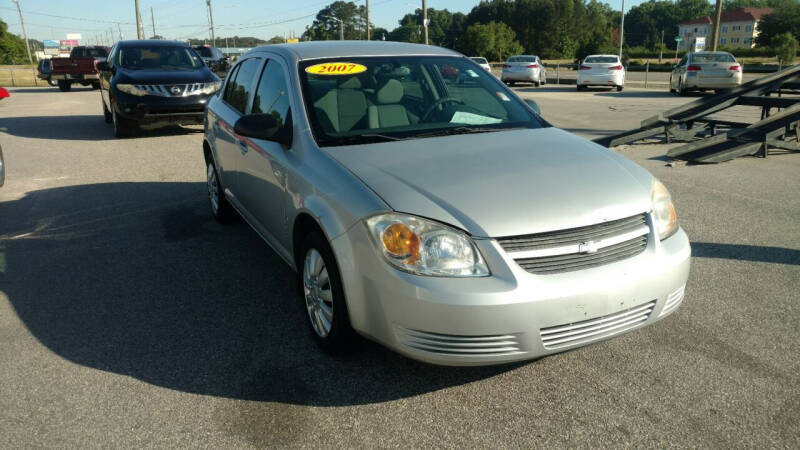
(128, 317)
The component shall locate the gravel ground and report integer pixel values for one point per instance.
(128, 317)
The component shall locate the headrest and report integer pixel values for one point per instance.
(391, 92)
(350, 83)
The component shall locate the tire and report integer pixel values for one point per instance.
(222, 211)
(95, 86)
(106, 113)
(319, 281)
(620, 88)
(537, 83)
(123, 128)
(671, 90)
(580, 87)
(64, 86)
(512, 83)
(682, 89)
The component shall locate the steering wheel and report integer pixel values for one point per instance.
(436, 103)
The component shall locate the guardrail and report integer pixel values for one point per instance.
(20, 77)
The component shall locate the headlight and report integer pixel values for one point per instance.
(131, 89)
(424, 247)
(664, 217)
(210, 88)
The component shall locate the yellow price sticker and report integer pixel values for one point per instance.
(336, 68)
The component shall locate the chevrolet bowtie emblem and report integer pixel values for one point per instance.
(587, 247)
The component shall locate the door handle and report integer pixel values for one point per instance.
(243, 147)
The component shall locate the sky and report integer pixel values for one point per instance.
(181, 19)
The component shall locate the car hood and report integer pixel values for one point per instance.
(200, 75)
(502, 183)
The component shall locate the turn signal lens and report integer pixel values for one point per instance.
(400, 242)
(585, 68)
(533, 66)
(694, 69)
(617, 67)
(734, 68)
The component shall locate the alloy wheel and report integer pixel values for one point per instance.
(213, 188)
(318, 293)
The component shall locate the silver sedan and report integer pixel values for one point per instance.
(527, 68)
(398, 189)
(705, 71)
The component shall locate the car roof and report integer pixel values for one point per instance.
(713, 53)
(152, 43)
(612, 56)
(333, 49)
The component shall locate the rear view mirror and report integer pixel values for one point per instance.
(266, 127)
(534, 106)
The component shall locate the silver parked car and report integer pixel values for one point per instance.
(705, 71)
(481, 61)
(527, 68)
(426, 207)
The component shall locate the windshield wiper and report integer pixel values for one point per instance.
(366, 138)
(458, 130)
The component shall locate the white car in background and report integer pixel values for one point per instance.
(601, 70)
(481, 61)
(526, 68)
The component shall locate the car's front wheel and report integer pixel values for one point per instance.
(323, 295)
(122, 127)
(64, 85)
(220, 208)
(52, 82)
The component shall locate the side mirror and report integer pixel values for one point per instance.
(534, 106)
(266, 127)
(103, 65)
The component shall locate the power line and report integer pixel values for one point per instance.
(81, 19)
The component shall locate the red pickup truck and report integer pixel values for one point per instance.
(80, 67)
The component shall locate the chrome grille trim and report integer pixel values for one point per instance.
(459, 345)
(673, 301)
(579, 248)
(162, 90)
(586, 331)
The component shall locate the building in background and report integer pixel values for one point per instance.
(737, 29)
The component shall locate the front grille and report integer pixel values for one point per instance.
(586, 331)
(459, 345)
(171, 90)
(579, 248)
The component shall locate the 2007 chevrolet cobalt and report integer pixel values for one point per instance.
(425, 206)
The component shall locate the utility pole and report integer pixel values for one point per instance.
(111, 36)
(120, 31)
(715, 30)
(425, 20)
(24, 33)
(621, 30)
(139, 27)
(153, 19)
(341, 26)
(211, 23)
(368, 20)
(661, 47)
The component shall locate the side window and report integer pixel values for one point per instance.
(272, 96)
(112, 55)
(239, 86)
(229, 82)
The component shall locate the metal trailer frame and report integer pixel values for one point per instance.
(725, 140)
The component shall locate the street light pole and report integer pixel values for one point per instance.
(621, 30)
(24, 33)
(139, 27)
(211, 22)
(425, 20)
(715, 35)
(368, 37)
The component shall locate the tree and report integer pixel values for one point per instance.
(276, 40)
(326, 27)
(730, 5)
(785, 19)
(444, 29)
(12, 47)
(785, 47)
(494, 41)
(379, 34)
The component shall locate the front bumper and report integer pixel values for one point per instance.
(611, 79)
(511, 315)
(154, 112)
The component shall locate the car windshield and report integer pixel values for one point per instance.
(522, 59)
(159, 58)
(712, 57)
(480, 60)
(362, 100)
(205, 52)
(601, 59)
